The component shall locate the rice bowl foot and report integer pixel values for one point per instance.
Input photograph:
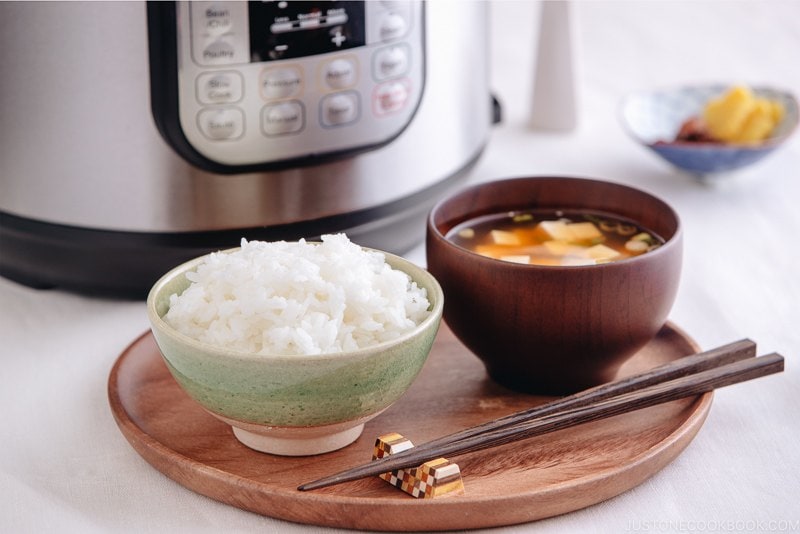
(297, 441)
(299, 445)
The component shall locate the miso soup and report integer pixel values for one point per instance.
(555, 237)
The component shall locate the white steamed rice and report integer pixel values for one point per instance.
(297, 298)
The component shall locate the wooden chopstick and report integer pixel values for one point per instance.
(650, 396)
(732, 352)
(684, 377)
(722, 355)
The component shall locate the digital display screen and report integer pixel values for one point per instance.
(284, 29)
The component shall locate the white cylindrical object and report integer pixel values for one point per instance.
(555, 87)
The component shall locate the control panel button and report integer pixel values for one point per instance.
(217, 19)
(281, 82)
(221, 123)
(219, 87)
(340, 73)
(219, 52)
(338, 38)
(391, 62)
(282, 118)
(267, 82)
(390, 97)
(393, 26)
(339, 108)
(219, 33)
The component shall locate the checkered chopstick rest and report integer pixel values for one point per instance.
(434, 478)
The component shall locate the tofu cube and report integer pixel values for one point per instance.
(501, 237)
(560, 248)
(585, 233)
(581, 233)
(601, 253)
(553, 231)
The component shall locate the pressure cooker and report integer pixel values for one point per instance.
(138, 135)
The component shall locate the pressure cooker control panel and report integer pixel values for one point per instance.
(260, 83)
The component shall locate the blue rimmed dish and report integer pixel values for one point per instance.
(653, 118)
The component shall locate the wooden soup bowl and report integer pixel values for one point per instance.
(554, 329)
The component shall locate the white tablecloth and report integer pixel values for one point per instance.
(65, 467)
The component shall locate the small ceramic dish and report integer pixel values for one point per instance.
(653, 118)
(294, 405)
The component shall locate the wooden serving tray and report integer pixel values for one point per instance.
(516, 483)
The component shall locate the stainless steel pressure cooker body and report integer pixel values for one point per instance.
(139, 135)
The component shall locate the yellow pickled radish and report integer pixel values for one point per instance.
(727, 114)
(738, 116)
(758, 125)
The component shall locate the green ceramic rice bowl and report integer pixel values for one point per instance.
(290, 404)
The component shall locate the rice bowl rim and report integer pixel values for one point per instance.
(434, 315)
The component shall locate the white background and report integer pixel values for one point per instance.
(65, 467)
